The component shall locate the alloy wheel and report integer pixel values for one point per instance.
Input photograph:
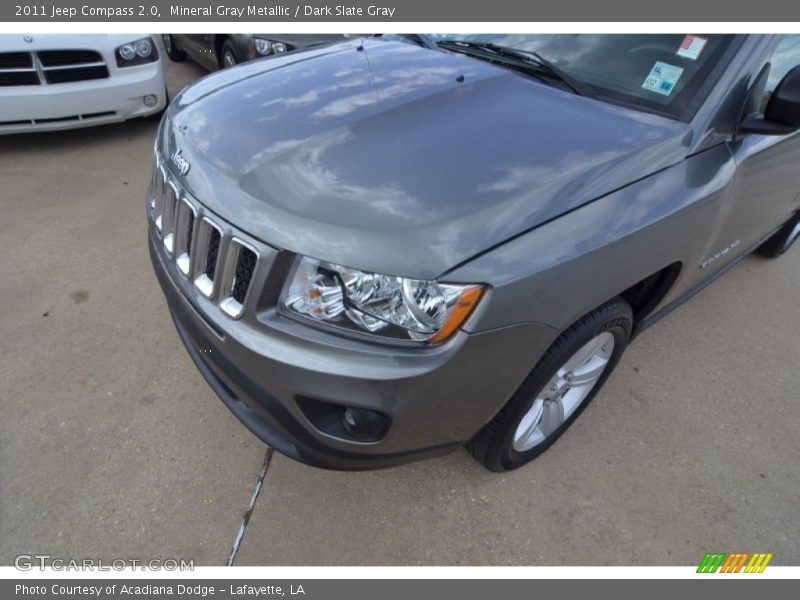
(564, 393)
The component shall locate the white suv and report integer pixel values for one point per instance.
(50, 82)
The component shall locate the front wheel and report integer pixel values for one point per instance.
(561, 385)
(175, 54)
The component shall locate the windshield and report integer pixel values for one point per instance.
(662, 73)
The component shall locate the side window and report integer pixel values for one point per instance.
(785, 56)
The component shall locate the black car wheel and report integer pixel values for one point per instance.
(174, 53)
(781, 240)
(558, 389)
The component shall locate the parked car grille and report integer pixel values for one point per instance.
(18, 78)
(51, 67)
(64, 119)
(218, 260)
(76, 74)
(15, 60)
(60, 58)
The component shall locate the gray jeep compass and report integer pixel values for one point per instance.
(384, 249)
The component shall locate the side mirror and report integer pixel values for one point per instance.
(782, 114)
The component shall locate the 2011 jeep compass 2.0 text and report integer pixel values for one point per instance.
(384, 249)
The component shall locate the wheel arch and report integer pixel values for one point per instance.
(219, 40)
(646, 294)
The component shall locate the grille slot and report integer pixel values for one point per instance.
(213, 253)
(183, 236)
(9, 78)
(15, 60)
(207, 249)
(60, 58)
(240, 265)
(99, 115)
(157, 199)
(170, 216)
(63, 75)
(58, 119)
(245, 267)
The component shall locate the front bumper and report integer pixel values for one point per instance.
(437, 398)
(55, 107)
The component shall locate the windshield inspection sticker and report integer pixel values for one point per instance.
(692, 46)
(662, 78)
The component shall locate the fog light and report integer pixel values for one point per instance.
(150, 100)
(363, 424)
(345, 422)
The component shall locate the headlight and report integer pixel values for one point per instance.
(137, 52)
(143, 48)
(263, 47)
(128, 52)
(392, 307)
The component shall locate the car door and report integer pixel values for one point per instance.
(201, 47)
(766, 187)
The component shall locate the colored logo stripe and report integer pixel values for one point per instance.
(758, 563)
(734, 562)
(711, 562)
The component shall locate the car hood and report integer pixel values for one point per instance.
(386, 156)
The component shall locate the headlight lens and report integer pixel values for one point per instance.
(128, 52)
(138, 52)
(143, 48)
(263, 47)
(391, 307)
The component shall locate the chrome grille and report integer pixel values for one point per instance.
(240, 263)
(169, 216)
(206, 252)
(245, 266)
(217, 261)
(157, 196)
(51, 67)
(183, 241)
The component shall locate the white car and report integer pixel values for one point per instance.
(51, 82)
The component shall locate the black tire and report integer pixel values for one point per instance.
(227, 50)
(781, 240)
(492, 446)
(175, 54)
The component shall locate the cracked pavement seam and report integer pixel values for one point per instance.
(246, 518)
